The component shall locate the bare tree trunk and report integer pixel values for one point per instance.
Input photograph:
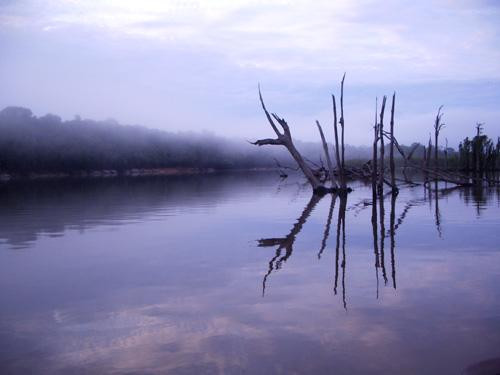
(285, 139)
(327, 156)
(446, 154)
(375, 145)
(437, 128)
(337, 152)
(391, 151)
(382, 151)
(428, 156)
(342, 119)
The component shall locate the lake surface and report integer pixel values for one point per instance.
(242, 273)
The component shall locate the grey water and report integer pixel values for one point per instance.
(245, 273)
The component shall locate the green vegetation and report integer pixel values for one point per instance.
(479, 154)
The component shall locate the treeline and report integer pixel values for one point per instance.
(479, 154)
(46, 144)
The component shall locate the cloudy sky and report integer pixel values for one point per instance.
(194, 65)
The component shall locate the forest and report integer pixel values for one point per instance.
(47, 144)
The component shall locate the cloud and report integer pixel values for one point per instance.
(214, 53)
(426, 40)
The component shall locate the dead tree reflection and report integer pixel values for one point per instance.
(341, 238)
(379, 244)
(392, 236)
(286, 243)
(326, 233)
(382, 232)
(437, 214)
(375, 234)
(343, 210)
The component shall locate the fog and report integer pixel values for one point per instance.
(49, 144)
(194, 66)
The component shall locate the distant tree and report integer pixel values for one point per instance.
(479, 154)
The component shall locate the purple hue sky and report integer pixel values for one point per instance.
(195, 65)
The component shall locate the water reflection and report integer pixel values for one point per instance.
(341, 226)
(286, 243)
(31, 208)
(164, 276)
(433, 194)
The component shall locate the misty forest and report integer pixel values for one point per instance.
(290, 187)
(37, 146)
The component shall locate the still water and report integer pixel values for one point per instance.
(243, 273)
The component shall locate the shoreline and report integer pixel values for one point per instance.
(113, 173)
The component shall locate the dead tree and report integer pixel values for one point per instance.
(428, 156)
(428, 159)
(446, 154)
(341, 121)
(337, 152)
(375, 145)
(285, 139)
(445, 176)
(327, 156)
(438, 125)
(391, 150)
(382, 151)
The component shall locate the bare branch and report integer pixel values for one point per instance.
(337, 153)
(271, 122)
(327, 155)
(267, 141)
(283, 124)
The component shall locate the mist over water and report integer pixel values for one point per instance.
(242, 272)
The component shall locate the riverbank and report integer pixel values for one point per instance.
(110, 173)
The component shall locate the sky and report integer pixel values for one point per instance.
(195, 65)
